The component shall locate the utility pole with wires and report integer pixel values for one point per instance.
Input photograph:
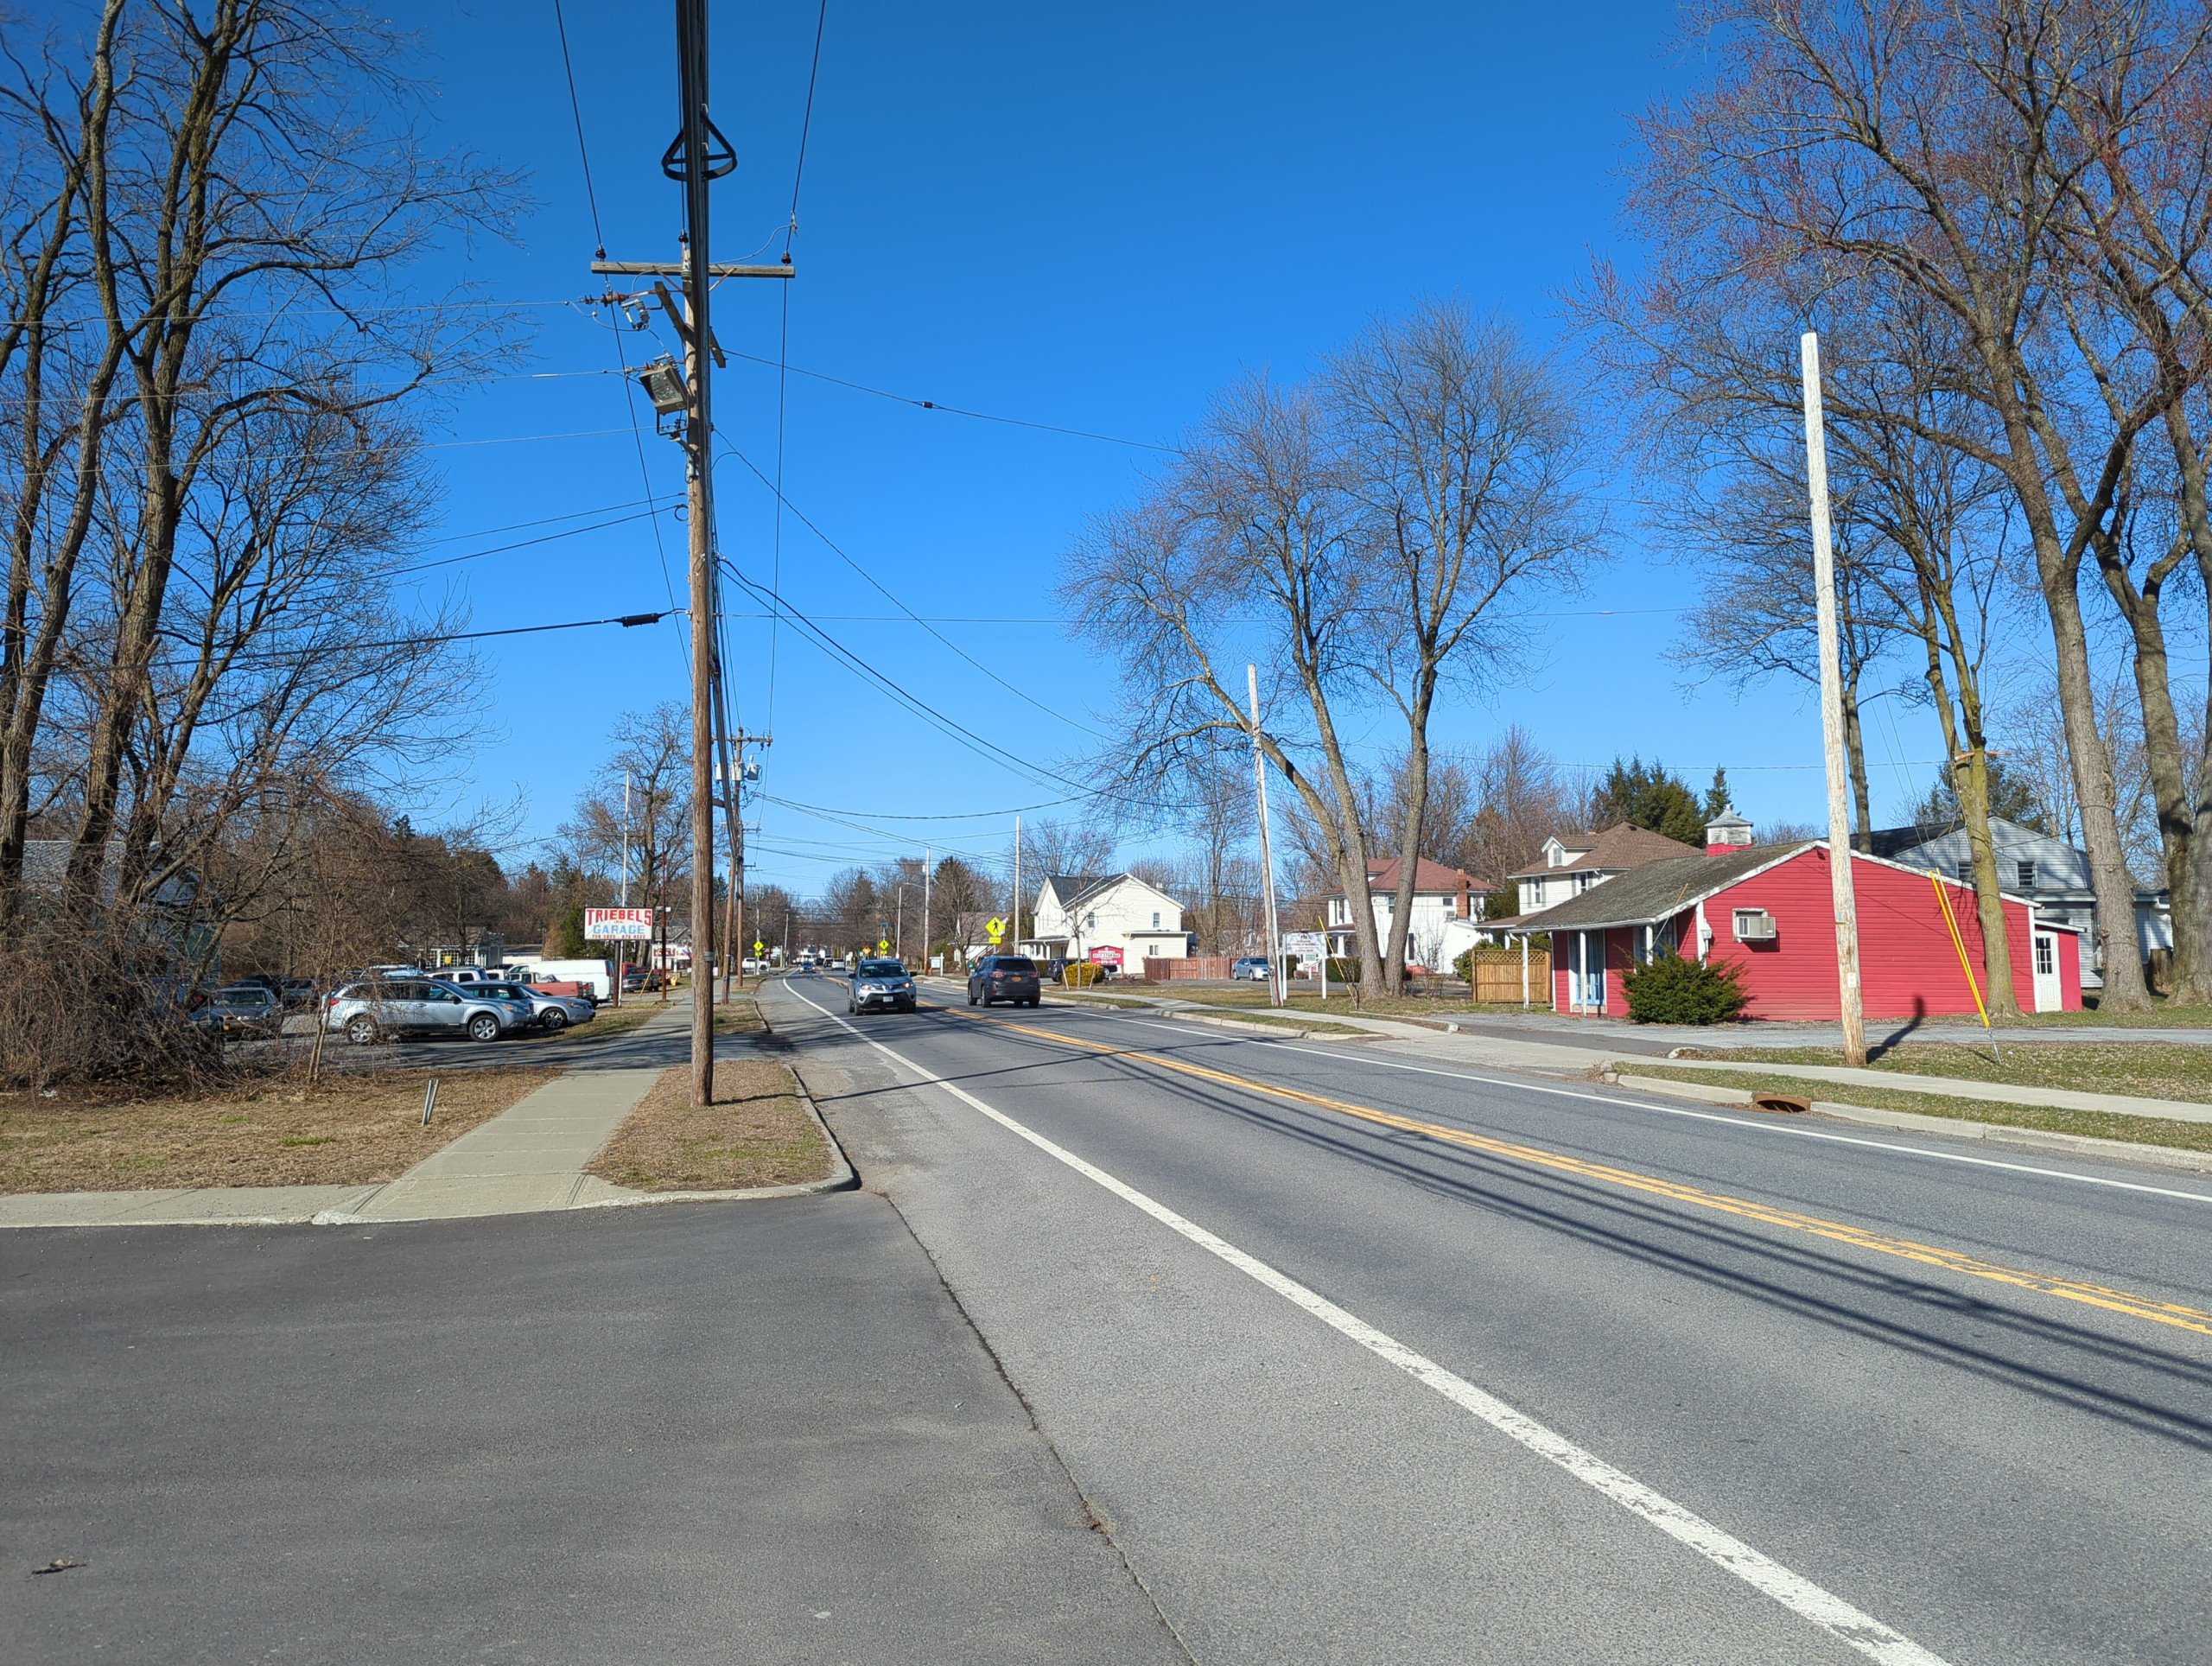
(733, 803)
(1278, 993)
(1851, 1008)
(699, 155)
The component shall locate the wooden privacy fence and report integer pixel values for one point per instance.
(1497, 975)
(1160, 967)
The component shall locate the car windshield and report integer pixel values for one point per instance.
(882, 968)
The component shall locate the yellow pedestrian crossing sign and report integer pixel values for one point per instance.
(996, 928)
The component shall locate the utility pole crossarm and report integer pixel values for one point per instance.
(677, 268)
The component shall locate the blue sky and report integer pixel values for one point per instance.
(1090, 220)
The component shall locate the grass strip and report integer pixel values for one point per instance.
(2149, 1069)
(354, 1129)
(1293, 1022)
(756, 1133)
(2097, 1124)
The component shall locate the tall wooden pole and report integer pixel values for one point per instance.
(1278, 995)
(691, 80)
(1852, 1009)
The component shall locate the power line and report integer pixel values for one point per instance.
(546, 521)
(956, 411)
(937, 720)
(627, 621)
(955, 815)
(806, 121)
(523, 543)
(576, 109)
(1019, 693)
(784, 353)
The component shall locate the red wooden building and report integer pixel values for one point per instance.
(1767, 910)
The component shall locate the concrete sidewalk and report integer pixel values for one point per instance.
(529, 1158)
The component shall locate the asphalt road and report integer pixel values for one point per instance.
(1970, 1400)
(1149, 1342)
(723, 1431)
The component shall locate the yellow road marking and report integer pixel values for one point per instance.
(1954, 1260)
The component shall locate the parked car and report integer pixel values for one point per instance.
(1004, 977)
(241, 1009)
(367, 1013)
(1254, 967)
(880, 983)
(553, 1011)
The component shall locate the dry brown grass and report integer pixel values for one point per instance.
(757, 1133)
(353, 1129)
(2149, 1069)
(2097, 1124)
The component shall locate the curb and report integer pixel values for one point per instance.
(842, 1178)
(1280, 1032)
(2082, 1145)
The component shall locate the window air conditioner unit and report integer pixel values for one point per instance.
(1754, 925)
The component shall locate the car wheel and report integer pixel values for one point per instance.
(483, 1027)
(362, 1031)
(555, 1018)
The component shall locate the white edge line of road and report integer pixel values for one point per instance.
(1697, 1115)
(1793, 1590)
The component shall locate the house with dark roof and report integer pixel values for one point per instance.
(1768, 911)
(2052, 874)
(1447, 901)
(1115, 919)
(1573, 862)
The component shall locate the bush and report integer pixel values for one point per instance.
(1667, 989)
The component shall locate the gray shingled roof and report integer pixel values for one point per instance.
(1654, 890)
(1624, 845)
(1074, 889)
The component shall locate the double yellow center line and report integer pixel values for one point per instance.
(1929, 1254)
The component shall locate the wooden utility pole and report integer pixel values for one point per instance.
(1852, 1009)
(698, 155)
(1278, 995)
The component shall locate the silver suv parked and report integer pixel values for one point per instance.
(369, 1012)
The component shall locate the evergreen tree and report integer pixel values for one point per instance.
(2010, 798)
(1650, 795)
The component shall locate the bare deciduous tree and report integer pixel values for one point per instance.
(1469, 458)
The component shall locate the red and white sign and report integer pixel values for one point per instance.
(1107, 956)
(618, 925)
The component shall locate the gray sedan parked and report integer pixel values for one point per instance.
(552, 1012)
(369, 1012)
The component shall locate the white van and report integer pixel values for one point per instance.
(597, 975)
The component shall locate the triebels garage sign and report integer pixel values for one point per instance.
(614, 925)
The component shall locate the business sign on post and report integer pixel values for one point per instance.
(618, 924)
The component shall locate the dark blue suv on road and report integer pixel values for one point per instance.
(1004, 977)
